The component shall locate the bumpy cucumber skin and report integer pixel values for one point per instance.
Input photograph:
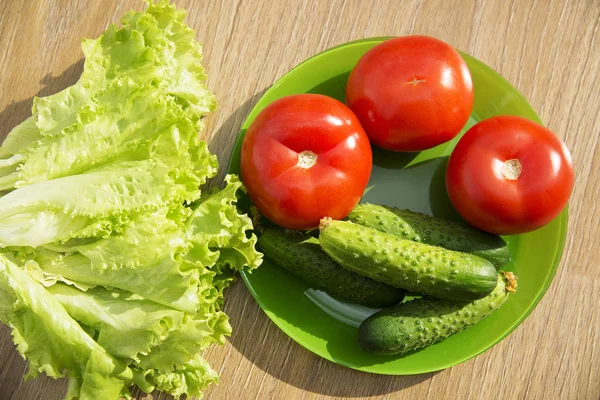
(435, 231)
(422, 322)
(301, 254)
(413, 266)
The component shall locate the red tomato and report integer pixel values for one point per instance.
(509, 175)
(411, 93)
(305, 157)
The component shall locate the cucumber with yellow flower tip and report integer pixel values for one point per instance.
(425, 321)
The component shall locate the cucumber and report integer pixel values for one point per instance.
(413, 266)
(301, 254)
(435, 231)
(422, 322)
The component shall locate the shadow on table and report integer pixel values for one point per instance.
(270, 349)
(224, 138)
(18, 111)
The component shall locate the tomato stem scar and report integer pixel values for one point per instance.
(307, 159)
(415, 81)
(511, 169)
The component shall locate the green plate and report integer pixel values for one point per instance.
(327, 326)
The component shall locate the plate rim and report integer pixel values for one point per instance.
(561, 228)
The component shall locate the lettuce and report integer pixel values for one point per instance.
(127, 325)
(85, 205)
(139, 82)
(113, 262)
(53, 342)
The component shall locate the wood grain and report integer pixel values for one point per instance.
(548, 49)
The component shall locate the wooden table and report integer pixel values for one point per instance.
(548, 49)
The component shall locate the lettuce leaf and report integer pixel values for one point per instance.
(158, 342)
(191, 378)
(165, 282)
(87, 204)
(177, 266)
(139, 82)
(52, 341)
(127, 325)
(20, 138)
(220, 233)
